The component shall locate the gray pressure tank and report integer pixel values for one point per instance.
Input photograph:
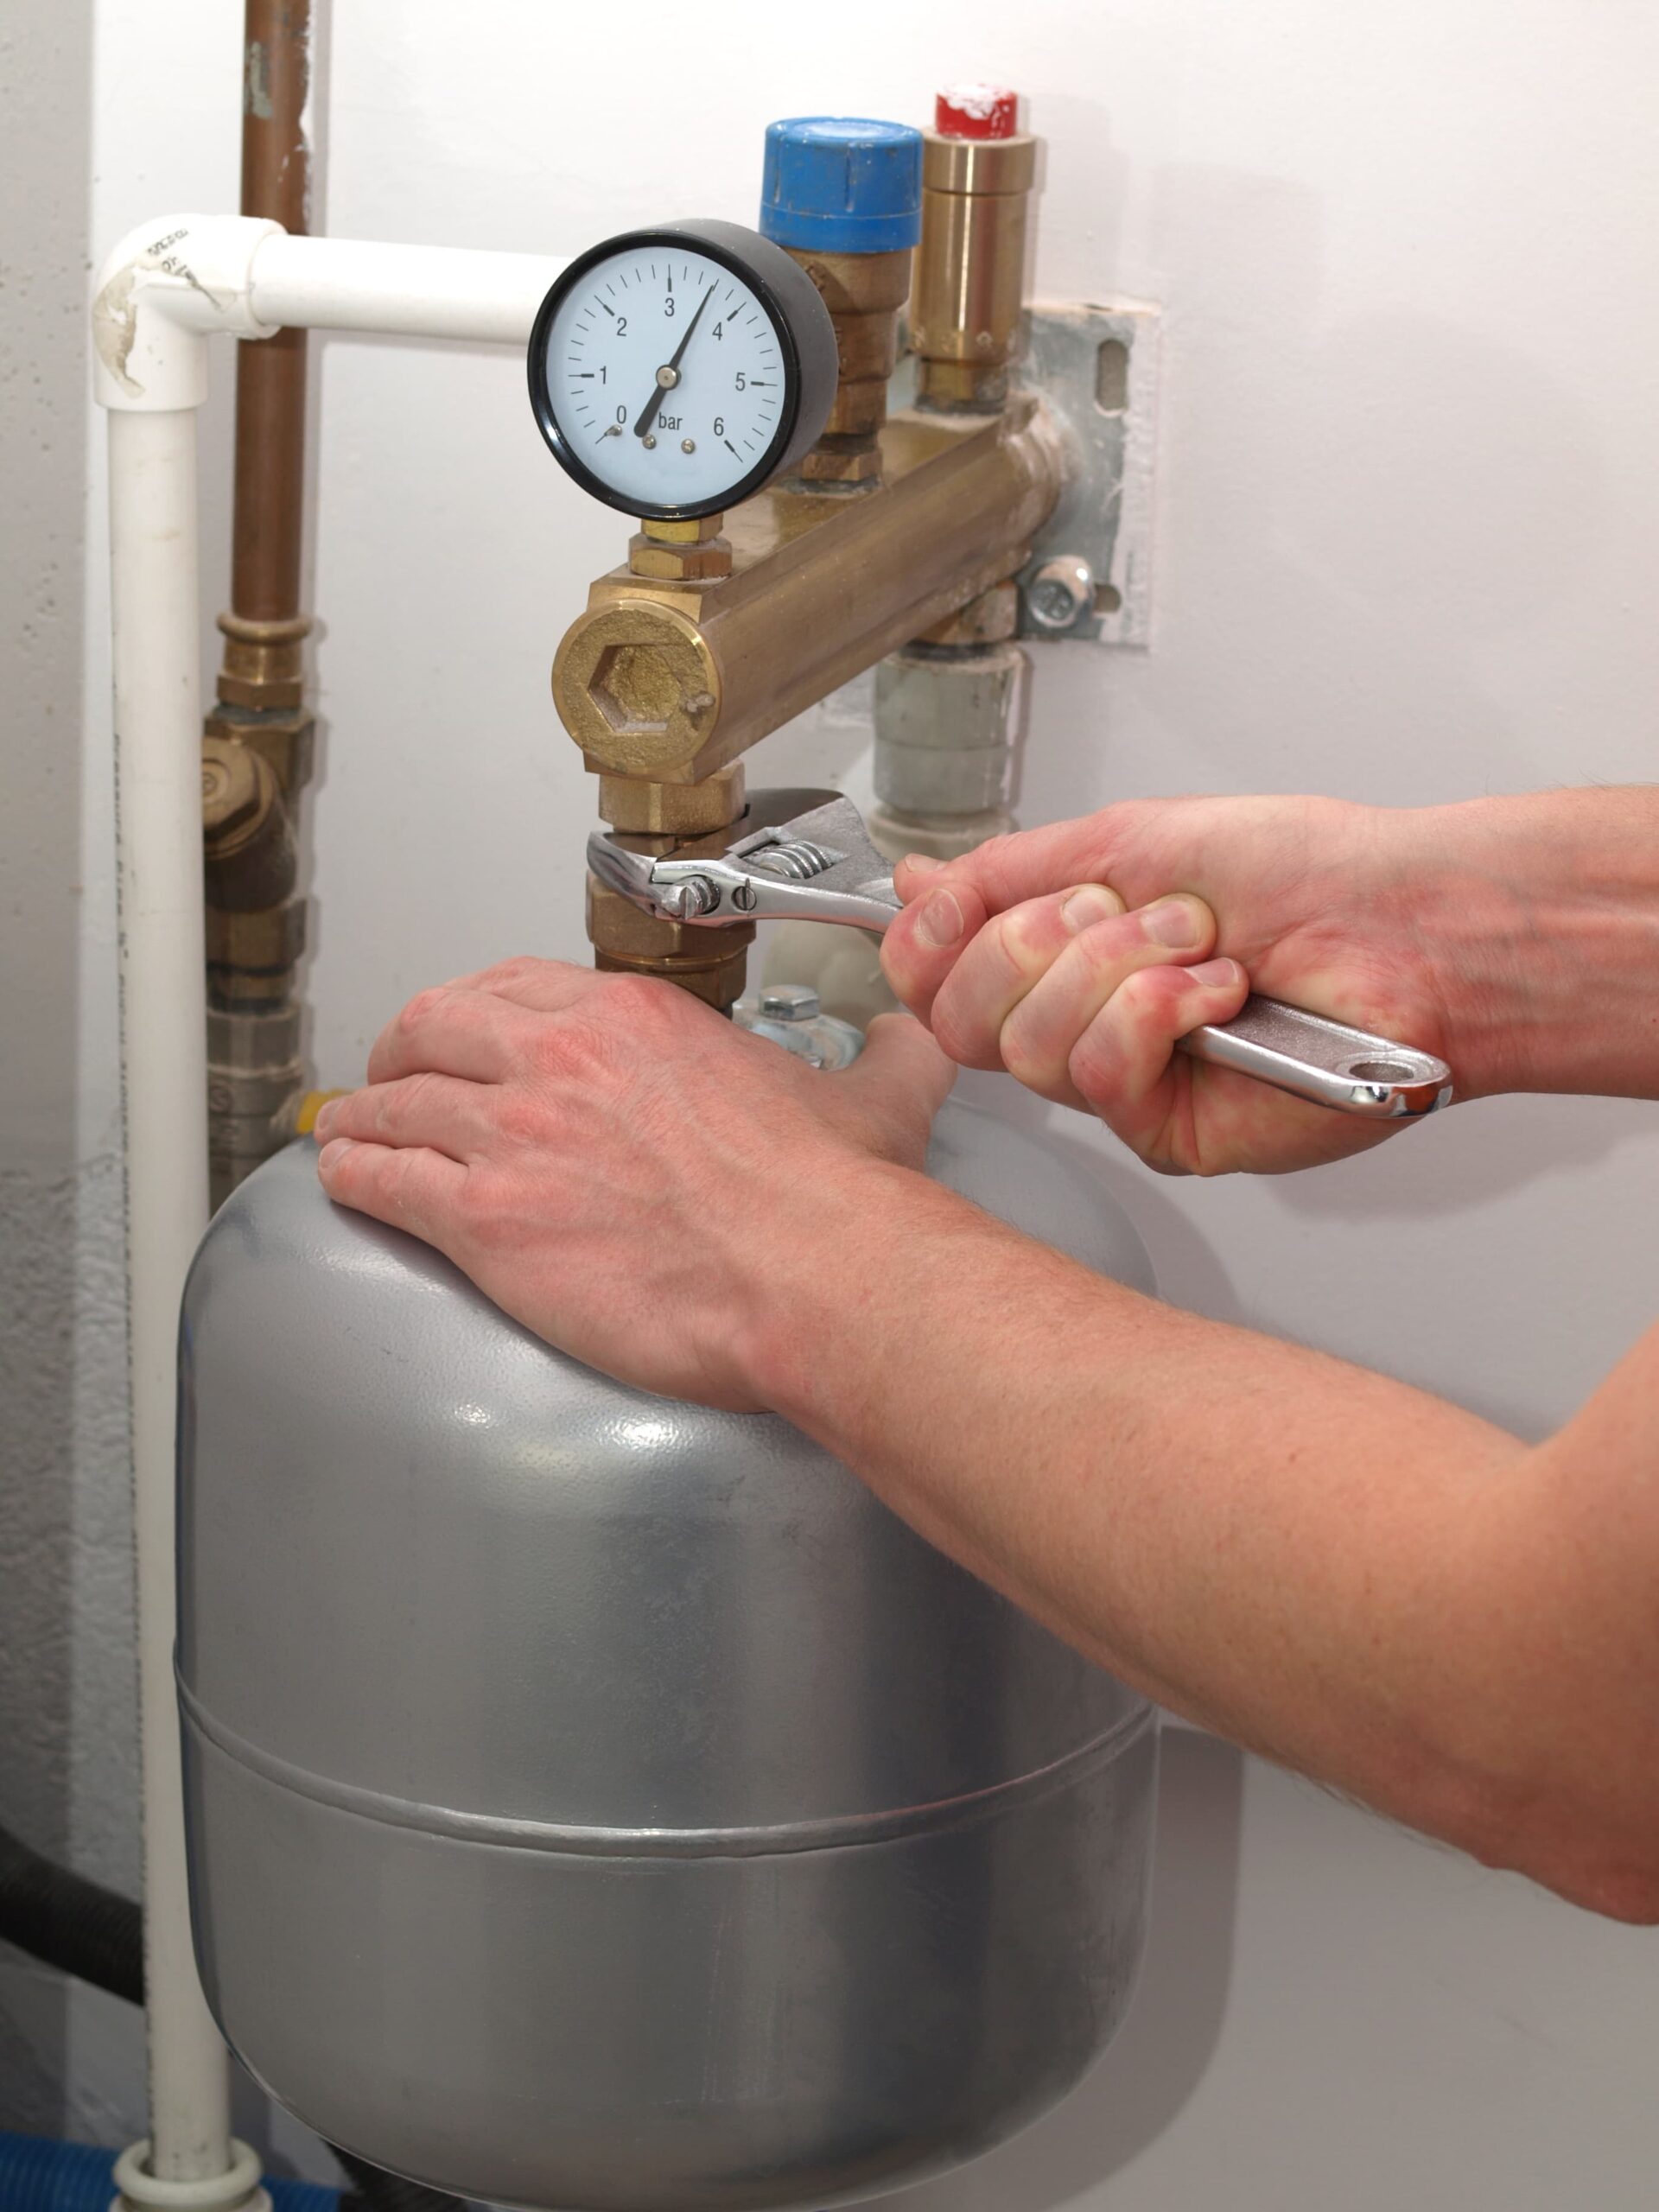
(600, 1803)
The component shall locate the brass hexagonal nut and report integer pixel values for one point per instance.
(652, 810)
(719, 985)
(267, 942)
(848, 464)
(237, 790)
(636, 686)
(702, 562)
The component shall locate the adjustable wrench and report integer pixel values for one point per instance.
(806, 856)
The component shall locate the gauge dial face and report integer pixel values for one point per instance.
(667, 377)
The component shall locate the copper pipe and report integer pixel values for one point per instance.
(257, 747)
(270, 376)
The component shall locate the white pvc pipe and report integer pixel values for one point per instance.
(163, 291)
(158, 811)
(422, 291)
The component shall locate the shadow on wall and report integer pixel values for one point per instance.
(46, 1238)
(1490, 1148)
(1174, 2023)
(1450, 1163)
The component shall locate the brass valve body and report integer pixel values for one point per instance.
(970, 266)
(863, 293)
(255, 925)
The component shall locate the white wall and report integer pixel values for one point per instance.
(1406, 552)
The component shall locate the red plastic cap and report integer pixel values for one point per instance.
(976, 112)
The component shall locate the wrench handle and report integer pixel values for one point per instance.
(1324, 1061)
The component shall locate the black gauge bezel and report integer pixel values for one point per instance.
(705, 239)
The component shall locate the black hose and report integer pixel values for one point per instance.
(80, 1927)
(66, 1922)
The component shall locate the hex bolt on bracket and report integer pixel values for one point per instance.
(1089, 574)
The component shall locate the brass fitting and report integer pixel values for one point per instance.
(671, 681)
(254, 1077)
(247, 836)
(636, 686)
(863, 293)
(251, 956)
(676, 530)
(683, 558)
(658, 818)
(710, 963)
(646, 810)
(965, 308)
(282, 737)
(254, 926)
(238, 793)
(263, 661)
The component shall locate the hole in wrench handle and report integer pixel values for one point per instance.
(1324, 1061)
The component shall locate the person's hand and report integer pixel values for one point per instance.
(611, 1162)
(1020, 956)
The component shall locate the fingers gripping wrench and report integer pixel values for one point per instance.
(807, 857)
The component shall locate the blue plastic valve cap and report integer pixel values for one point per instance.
(841, 184)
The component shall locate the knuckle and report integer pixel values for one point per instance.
(1022, 1059)
(1105, 946)
(1150, 995)
(1045, 1079)
(1095, 1063)
(521, 968)
(1164, 1163)
(987, 863)
(396, 1172)
(957, 1029)
(1026, 939)
(397, 1106)
(517, 1117)
(421, 1009)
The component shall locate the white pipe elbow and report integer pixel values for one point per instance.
(163, 292)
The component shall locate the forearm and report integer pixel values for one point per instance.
(1324, 1565)
(1538, 916)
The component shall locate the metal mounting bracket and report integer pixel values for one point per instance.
(1097, 366)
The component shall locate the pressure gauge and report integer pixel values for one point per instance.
(676, 370)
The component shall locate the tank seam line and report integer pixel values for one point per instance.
(783, 1839)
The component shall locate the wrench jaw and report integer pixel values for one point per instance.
(804, 856)
(626, 873)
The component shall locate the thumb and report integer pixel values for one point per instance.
(898, 1082)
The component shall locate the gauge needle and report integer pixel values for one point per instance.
(667, 377)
